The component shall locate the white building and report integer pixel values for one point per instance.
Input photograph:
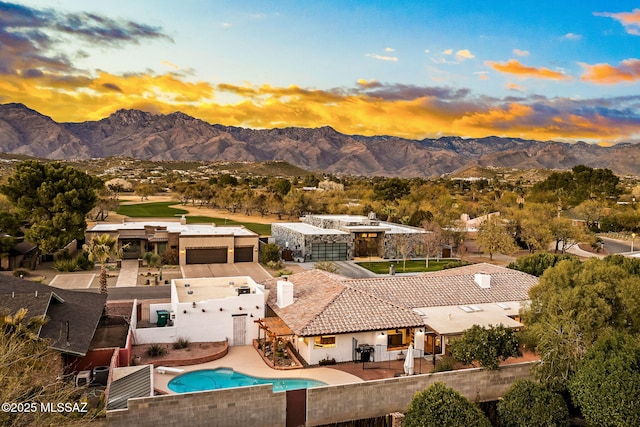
(207, 310)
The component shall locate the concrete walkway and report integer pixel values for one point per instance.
(128, 275)
(245, 359)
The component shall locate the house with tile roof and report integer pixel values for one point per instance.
(330, 316)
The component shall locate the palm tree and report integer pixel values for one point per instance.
(100, 249)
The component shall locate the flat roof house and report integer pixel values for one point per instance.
(205, 310)
(195, 243)
(331, 316)
(345, 237)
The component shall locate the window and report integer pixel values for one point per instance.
(398, 339)
(324, 341)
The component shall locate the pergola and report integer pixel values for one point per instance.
(274, 329)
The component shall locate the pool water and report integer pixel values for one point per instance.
(213, 379)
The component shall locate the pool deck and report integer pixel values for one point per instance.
(245, 359)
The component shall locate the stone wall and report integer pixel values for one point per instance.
(413, 240)
(259, 406)
(301, 244)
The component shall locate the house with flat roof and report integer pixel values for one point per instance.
(345, 237)
(330, 316)
(206, 310)
(195, 243)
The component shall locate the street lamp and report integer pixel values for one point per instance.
(633, 236)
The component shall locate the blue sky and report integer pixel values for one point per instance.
(564, 70)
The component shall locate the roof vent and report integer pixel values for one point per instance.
(483, 280)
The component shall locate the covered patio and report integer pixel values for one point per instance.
(275, 346)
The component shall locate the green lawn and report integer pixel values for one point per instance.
(162, 210)
(151, 210)
(412, 266)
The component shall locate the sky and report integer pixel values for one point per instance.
(566, 70)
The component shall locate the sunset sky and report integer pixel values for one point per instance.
(565, 70)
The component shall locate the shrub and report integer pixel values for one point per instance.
(274, 265)
(68, 265)
(439, 405)
(20, 272)
(270, 252)
(62, 255)
(455, 264)
(156, 350)
(170, 257)
(83, 261)
(327, 266)
(444, 364)
(283, 273)
(181, 343)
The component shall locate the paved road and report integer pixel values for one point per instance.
(351, 269)
(619, 246)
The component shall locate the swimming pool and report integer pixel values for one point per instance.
(212, 379)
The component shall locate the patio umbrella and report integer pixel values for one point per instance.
(408, 361)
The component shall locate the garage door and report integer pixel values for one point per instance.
(243, 254)
(329, 251)
(207, 256)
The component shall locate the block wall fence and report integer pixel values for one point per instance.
(259, 406)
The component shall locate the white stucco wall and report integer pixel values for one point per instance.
(206, 320)
(343, 350)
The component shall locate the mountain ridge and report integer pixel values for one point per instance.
(178, 136)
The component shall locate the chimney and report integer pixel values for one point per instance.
(284, 293)
(483, 280)
(183, 220)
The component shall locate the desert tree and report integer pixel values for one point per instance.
(493, 237)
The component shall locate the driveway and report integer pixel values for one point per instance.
(253, 270)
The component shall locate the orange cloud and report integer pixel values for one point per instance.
(513, 66)
(369, 108)
(629, 20)
(627, 71)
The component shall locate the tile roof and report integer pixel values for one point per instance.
(81, 309)
(326, 303)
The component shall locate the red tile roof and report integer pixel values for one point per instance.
(326, 303)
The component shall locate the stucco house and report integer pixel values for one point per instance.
(330, 316)
(195, 243)
(205, 310)
(344, 237)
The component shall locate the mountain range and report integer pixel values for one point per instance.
(177, 136)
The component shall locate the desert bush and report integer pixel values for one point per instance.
(20, 272)
(181, 343)
(68, 265)
(455, 264)
(274, 265)
(444, 364)
(270, 253)
(327, 266)
(156, 350)
(170, 257)
(83, 261)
